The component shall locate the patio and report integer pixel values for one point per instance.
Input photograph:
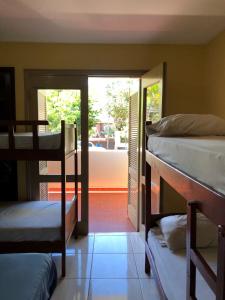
(108, 194)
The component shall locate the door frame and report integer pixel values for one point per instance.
(49, 78)
(36, 79)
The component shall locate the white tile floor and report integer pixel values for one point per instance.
(105, 267)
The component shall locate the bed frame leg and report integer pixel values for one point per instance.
(191, 244)
(147, 265)
(64, 263)
(220, 289)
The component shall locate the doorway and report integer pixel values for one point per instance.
(109, 113)
(36, 80)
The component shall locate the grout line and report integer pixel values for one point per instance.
(141, 289)
(92, 257)
(138, 274)
(116, 278)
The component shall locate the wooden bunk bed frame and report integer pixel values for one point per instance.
(69, 220)
(201, 198)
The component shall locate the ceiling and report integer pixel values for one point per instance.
(114, 21)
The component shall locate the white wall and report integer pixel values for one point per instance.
(108, 168)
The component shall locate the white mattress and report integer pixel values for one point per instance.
(200, 157)
(47, 140)
(172, 269)
(31, 220)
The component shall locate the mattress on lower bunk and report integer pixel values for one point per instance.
(171, 268)
(47, 140)
(31, 220)
(30, 276)
(200, 157)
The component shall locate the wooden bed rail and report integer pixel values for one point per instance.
(23, 122)
(11, 126)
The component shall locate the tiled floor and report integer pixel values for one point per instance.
(105, 267)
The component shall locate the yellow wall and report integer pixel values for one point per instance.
(185, 66)
(215, 75)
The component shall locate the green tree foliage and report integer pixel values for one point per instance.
(153, 103)
(118, 94)
(65, 105)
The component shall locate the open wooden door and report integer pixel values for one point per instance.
(152, 109)
(148, 104)
(134, 160)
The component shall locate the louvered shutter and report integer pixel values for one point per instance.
(43, 168)
(133, 160)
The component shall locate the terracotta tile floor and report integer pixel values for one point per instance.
(107, 212)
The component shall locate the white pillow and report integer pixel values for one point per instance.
(188, 125)
(173, 229)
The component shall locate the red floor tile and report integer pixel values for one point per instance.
(107, 212)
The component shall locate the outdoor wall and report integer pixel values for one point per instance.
(215, 75)
(107, 168)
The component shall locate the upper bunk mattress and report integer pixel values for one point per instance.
(31, 220)
(47, 140)
(200, 157)
(30, 276)
(171, 268)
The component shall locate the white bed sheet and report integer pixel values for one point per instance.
(172, 269)
(31, 220)
(47, 140)
(200, 157)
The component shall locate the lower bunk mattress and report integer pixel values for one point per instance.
(31, 220)
(171, 268)
(30, 276)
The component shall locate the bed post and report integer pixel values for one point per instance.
(220, 286)
(147, 210)
(63, 198)
(191, 244)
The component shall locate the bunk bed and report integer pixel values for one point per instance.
(39, 226)
(186, 273)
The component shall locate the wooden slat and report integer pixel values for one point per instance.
(57, 178)
(205, 270)
(191, 245)
(35, 137)
(133, 159)
(150, 258)
(11, 137)
(23, 122)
